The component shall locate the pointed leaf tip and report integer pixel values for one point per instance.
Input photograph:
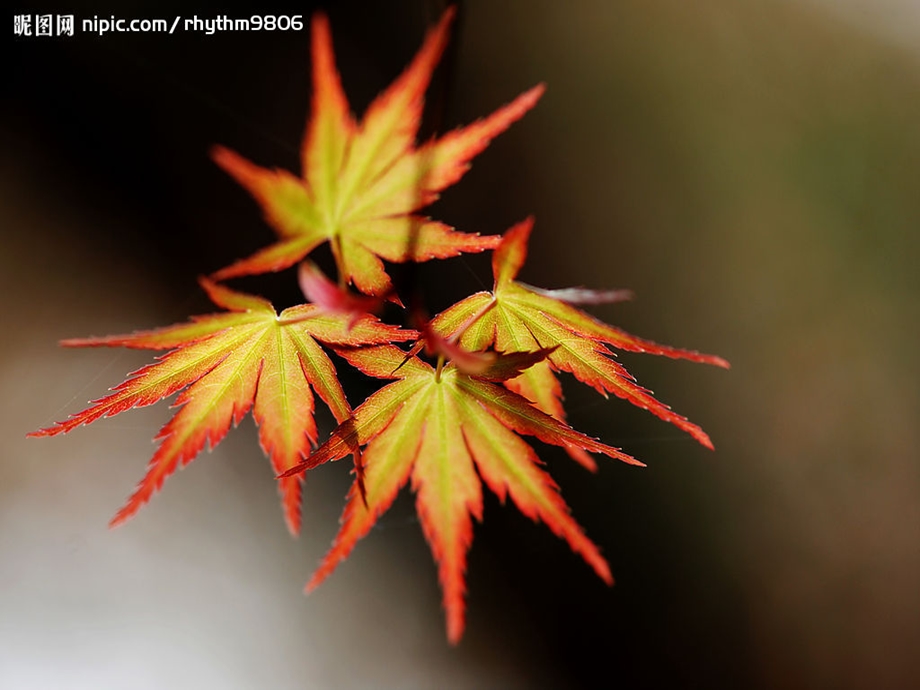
(511, 253)
(233, 300)
(507, 365)
(582, 295)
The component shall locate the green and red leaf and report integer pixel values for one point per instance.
(363, 183)
(225, 364)
(517, 317)
(444, 429)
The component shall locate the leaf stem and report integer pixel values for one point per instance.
(437, 372)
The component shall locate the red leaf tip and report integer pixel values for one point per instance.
(511, 252)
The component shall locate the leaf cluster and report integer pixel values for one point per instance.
(475, 380)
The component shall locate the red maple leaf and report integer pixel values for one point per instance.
(246, 357)
(439, 427)
(514, 316)
(363, 184)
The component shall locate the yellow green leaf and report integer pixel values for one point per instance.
(445, 429)
(363, 183)
(224, 364)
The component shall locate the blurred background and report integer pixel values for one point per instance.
(749, 169)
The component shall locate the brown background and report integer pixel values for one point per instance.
(749, 169)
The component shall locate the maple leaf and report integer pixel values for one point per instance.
(363, 184)
(515, 316)
(439, 427)
(229, 362)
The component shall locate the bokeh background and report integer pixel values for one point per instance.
(749, 169)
